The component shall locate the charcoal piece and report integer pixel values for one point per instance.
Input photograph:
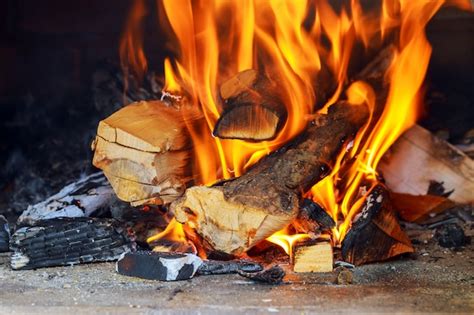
(215, 267)
(67, 241)
(273, 275)
(451, 236)
(4, 235)
(159, 265)
(313, 211)
(85, 197)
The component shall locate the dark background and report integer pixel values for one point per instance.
(59, 76)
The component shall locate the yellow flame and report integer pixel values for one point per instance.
(286, 241)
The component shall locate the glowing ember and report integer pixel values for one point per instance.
(300, 44)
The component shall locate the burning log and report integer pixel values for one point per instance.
(234, 215)
(313, 257)
(62, 242)
(253, 108)
(431, 159)
(82, 198)
(376, 235)
(144, 149)
(178, 266)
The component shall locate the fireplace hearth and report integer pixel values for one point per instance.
(263, 156)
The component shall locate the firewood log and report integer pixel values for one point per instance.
(417, 158)
(376, 234)
(144, 149)
(234, 215)
(253, 108)
(66, 241)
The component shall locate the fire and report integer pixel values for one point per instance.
(286, 241)
(300, 44)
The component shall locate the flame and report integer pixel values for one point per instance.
(286, 241)
(292, 42)
(174, 232)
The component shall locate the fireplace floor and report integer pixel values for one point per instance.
(433, 280)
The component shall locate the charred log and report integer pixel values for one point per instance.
(4, 235)
(253, 108)
(376, 235)
(273, 275)
(61, 242)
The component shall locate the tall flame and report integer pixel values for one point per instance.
(293, 42)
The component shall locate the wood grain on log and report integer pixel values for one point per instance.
(418, 157)
(316, 257)
(235, 215)
(144, 149)
(253, 108)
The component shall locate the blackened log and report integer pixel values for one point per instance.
(253, 108)
(312, 211)
(215, 267)
(83, 198)
(273, 275)
(66, 241)
(159, 265)
(376, 235)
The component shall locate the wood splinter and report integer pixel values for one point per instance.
(253, 108)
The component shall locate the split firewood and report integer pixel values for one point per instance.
(166, 266)
(316, 257)
(312, 212)
(417, 158)
(83, 198)
(253, 108)
(63, 242)
(413, 208)
(376, 234)
(144, 151)
(235, 215)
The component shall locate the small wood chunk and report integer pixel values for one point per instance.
(313, 258)
(253, 108)
(417, 158)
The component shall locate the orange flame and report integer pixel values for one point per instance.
(292, 41)
(286, 241)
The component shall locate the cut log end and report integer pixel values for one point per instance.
(313, 258)
(248, 122)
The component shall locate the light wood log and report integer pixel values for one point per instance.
(235, 215)
(253, 108)
(419, 157)
(144, 150)
(313, 257)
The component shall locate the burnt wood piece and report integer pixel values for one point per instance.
(312, 211)
(273, 275)
(159, 265)
(215, 267)
(85, 197)
(4, 235)
(451, 236)
(166, 266)
(66, 241)
(376, 235)
(233, 216)
(253, 108)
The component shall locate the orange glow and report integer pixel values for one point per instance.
(292, 42)
(286, 241)
(174, 232)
